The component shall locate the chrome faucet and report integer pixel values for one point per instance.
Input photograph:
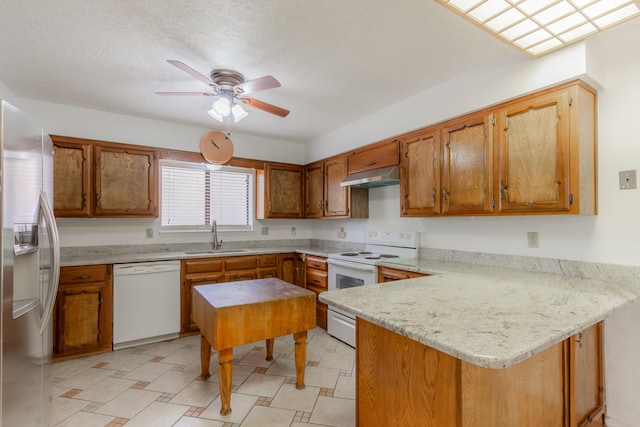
(214, 229)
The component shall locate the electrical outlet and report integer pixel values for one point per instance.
(533, 240)
(265, 231)
(628, 180)
(293, 231)
(149, 233)
(341, 233)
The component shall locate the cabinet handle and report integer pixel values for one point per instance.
(504, 190)
(433, 194)
(445, 194)
(80, 277)
(84, 200)
(371, 163)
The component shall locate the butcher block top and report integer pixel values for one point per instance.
(235, 313)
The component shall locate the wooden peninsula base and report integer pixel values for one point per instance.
(401, 382)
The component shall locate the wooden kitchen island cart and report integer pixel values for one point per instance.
(236, 313)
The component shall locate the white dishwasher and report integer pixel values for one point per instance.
(146, 303)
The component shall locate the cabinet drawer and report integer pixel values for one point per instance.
(204, 265)
(316, 288)
(316, 262)
(83, 274)
(378, 156)
(241, 275)
(268, 261)
(317, 278)
(240, 263)
(268, 273)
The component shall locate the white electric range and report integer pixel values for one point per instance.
(359, 268)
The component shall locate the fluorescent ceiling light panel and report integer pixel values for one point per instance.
(540, 26)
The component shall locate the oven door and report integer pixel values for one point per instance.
(346, 274)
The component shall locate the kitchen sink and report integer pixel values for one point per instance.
(215, 251)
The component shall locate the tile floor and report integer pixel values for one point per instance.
(159, 385)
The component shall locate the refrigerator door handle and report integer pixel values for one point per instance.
(54, 244)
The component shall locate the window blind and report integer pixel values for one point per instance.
(192, 196)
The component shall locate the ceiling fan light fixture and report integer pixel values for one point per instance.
(222, 106)
(238, 113)
(215, 115)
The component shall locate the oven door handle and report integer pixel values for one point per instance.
(354, 265)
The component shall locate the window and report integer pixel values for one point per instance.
(193, 195)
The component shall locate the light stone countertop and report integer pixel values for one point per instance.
(490, 316)
(119, 254)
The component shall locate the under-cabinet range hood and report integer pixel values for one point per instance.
(373, 178)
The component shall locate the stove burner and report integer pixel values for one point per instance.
(350, 254)
(372, 257)
(365, 253)
(388, 256)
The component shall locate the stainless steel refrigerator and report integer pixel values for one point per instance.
(30, 269)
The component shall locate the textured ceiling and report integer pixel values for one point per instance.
(337, 60)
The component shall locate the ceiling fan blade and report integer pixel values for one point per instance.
(269, 108)
(185, 93)
(263, 83)
(193, 73)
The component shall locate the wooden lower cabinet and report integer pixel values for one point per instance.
(402, 382)
(317, 281)
(82, 315)
(291, 268)
(387, 274)
(202, 271)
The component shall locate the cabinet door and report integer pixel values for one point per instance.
(83, 319)
(124, 182)
(300, 270)
(283, 186)
(314, 190)
(336, 197)
(71, 177)
(467, 167)
(420, 174)
(533, 154)
(586, 369)
(187, 325)
(287, 268)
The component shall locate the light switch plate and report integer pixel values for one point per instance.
(265, 231)
(628, 180)
(533, 240)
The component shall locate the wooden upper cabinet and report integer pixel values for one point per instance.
(71, 175)
(326, 198)
(467, 167)
(375, 156)
(103, 179)
(420, 174)
(336, 197)
(124, 182)
(314, 190)
(282, 186)
(533, 155)
(546, 153)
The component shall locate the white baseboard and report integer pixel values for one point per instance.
(610, 422)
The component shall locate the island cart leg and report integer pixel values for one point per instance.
(205, 357)
(270, 349)
(224, 359)
(300, 339)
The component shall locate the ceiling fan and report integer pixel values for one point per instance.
(230, 89)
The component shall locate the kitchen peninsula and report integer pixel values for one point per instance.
(475, 345)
